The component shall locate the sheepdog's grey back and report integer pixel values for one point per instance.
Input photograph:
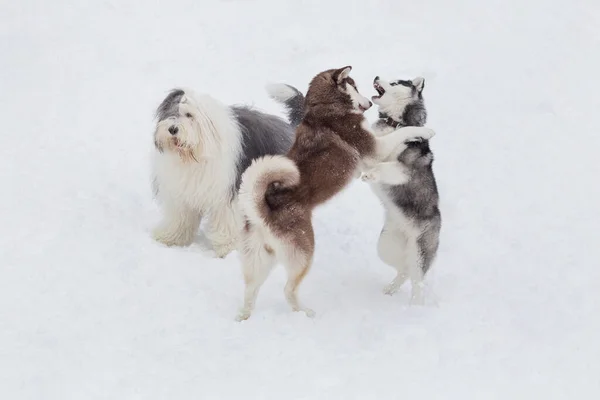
(262, 134)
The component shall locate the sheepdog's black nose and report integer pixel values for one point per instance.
(173, 130)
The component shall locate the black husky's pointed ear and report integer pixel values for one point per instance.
(340, 74)
(419, 83)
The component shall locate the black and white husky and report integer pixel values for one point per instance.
(406, 186)
(404, 183)
(202, 149)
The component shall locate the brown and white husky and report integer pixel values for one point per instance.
(278, 193)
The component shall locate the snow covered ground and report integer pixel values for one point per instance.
(92, 308)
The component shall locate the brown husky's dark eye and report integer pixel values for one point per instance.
(351, 82)
(188, 115)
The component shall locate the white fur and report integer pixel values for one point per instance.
(250, 195)
(387, 147)
(198, 181)
(381, 131)
(397, 247)
(396, 98)
(388, 172)
(359, 102)
(397, 244)
(280, 92)
(391, 145)
(260, 249)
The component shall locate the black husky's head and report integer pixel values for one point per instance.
(400, 100)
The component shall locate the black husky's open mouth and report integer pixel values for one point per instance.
(378, 88)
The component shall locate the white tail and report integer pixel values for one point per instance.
(257, 178)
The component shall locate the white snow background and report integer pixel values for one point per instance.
(92, 308)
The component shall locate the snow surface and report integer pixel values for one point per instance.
(92, 308)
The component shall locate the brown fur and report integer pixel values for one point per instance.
(278, 194)
(330, 142)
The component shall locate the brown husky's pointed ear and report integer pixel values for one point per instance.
(340, 74)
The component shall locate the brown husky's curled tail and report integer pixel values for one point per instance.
(262, 182)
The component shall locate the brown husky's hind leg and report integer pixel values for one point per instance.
(298, 263)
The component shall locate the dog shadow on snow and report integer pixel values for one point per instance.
(202, 244)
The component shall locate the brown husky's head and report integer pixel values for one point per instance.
(336, 91)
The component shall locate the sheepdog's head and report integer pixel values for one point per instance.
(186, 125)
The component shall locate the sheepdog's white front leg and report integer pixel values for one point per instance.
(223, 229)
(179, 225)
